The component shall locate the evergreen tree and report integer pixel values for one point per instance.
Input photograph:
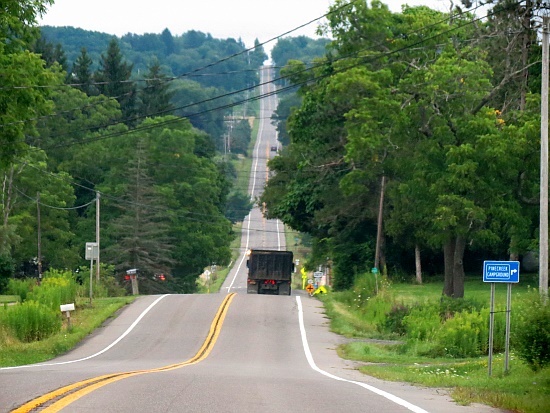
(155, 96)
(50, 53)
(113, 77)
(82, 74)
(142, 230)
(168, 40)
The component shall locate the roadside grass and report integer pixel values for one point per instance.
(84, 320)
(475, 290)
(8, 299)
(520, 389)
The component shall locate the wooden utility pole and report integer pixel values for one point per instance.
(543, 228)
(380, 222)
(97, 234)
(39, 231)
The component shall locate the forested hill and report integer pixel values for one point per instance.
(177, 55)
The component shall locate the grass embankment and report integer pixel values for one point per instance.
(520, 389)
(84, 320)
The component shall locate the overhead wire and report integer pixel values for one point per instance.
(269, 94)
(186, 74)
(35, 199)
(233, 104)
(272, 81)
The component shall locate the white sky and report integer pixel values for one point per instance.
(245, 19)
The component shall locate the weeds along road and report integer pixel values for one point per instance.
(226, 352)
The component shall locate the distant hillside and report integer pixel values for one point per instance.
(178, 55)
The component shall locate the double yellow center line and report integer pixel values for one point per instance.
(61, 398)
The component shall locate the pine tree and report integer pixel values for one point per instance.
(142, 230)
(168, 40)
(114, 80)
(155, 96)
(50, 53)
(82, 74)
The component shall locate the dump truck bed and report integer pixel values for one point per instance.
(270, 265)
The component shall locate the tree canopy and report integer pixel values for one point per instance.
(417, 100)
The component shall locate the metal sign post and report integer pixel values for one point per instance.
(500, 272)
(92, 253)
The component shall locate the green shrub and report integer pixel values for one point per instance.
(32, 321)
(531, 332)
(462, 335)
(393, 322)
(57, 287)
(107, 286)
(422, 323)
(449, 306)
(21, 287)
(499, 331)
(376, 310)
(364, 289)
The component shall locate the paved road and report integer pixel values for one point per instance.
(259, 232)
(227, 352)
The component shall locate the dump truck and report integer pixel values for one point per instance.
(269, 272)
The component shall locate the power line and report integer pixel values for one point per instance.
(259, 85)
(195, 71)
(270, 93)
(34, 199)
(366, 59)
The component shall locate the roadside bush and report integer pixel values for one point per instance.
(531, 332)
(422, 323)
(32, 321)
(21, 287)
(463, 335)
(393, 323)
(6, 271)
(364, 289)
(448, 306)
(108, 286)
(57, 287)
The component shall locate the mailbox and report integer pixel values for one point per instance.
(67, 307)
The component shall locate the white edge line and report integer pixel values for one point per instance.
(99, 352)
(373, 389)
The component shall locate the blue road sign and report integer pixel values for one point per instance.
(501, 271)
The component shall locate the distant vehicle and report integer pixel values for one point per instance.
(273, 149)
(269, 272)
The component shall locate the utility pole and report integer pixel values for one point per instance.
(543, 228)
(97, 196)
(39, 238)
(380, 222)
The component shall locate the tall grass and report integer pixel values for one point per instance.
(20, 287)
(38, 315)
(57, 287)
(31, 321)
(14, 352)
